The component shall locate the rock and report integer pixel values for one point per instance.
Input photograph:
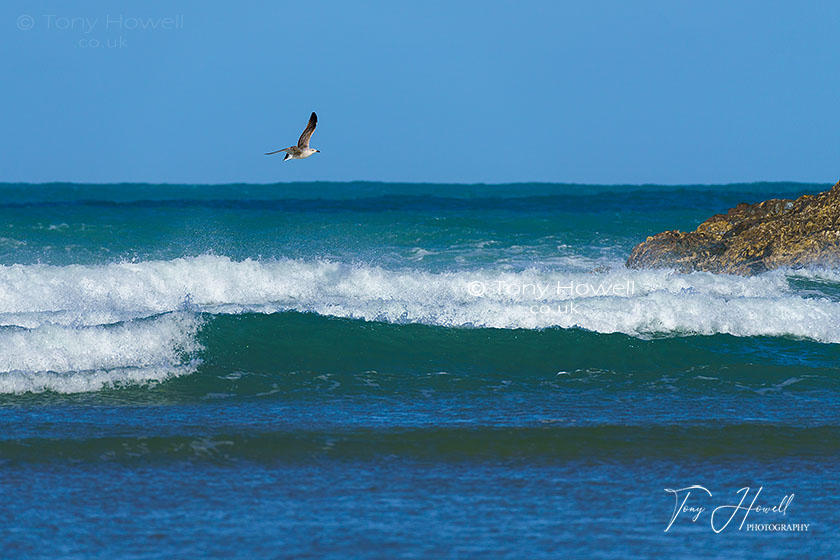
(752, 238)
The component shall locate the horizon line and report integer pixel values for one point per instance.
(418, 183)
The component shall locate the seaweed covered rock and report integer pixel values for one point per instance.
(752, 238)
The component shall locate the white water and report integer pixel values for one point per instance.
(75, 359)
(136, 321)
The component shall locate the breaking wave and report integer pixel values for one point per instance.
(80, 328)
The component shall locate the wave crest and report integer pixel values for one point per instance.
(138, 321)
(634, 302)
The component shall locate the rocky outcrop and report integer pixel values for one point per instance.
(752, 238)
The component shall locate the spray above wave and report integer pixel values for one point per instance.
(637, 303)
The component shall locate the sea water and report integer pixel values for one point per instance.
(376, 370)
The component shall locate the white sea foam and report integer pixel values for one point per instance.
(133, 321)
(650, 302)
(73, 359)
(19, 382)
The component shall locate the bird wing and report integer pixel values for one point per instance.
(303, 141)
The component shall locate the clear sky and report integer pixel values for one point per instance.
(593, 92)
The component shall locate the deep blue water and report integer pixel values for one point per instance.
(370, 370)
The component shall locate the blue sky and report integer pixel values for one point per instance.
(591, 92)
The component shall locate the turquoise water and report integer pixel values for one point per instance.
(367, 370)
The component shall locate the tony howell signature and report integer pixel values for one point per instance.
(721, 516)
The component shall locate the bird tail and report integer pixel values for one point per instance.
(288, 156)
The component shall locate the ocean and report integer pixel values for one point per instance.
(383, 370)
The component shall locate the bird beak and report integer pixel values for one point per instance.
(317, 151)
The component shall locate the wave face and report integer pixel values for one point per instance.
(81, 327)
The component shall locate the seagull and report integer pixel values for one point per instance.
(302, 150)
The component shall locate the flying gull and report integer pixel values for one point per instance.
(302, 150)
